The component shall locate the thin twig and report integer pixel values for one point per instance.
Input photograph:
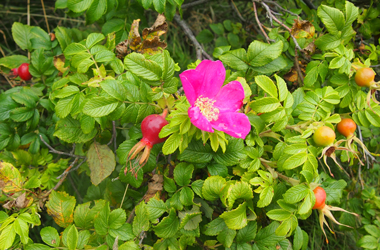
(39, 15)
(46, 20)
(188, 5)
(299, 72)
(360, 166)
(198, 48)
(282, 24)
(52, 150)
(259, 23)
(237, 11)
(72, 169)
(125, 192)
(281, 8)
(200, 243)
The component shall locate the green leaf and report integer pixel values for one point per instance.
(247, 233)
(186, 196)
(168, 226)
(14, 61)
(265, 104)
(50, 236)
(328, 42)
(69, 130)
(190, 219)
(75, 49)
(21, 114)
(21, 35)
(171, 144)
(117, 218)
(159, 5)
(295, 161)
(226, 237)
(61, 207)
(104, 56)
(267, 85)
(78, 6)
(372, 117)
(96, 11)
(141, 220)
(100, 106)
(311, 77)
(82, 216)
(266, 196)
(146, 69)
(332, 18)
(155, 209)
(260, 53)
(233, 154)
(307, 204)
(169, 185)
(368, 242)
(196, 152)
(63, 37)
(72, 238)
(205, 36)
(372, 230)
(215, 227)
(83, 238)
(93, 39)
(37, 247)
(10, 178)
(183, 173)
(115, 89)
(129, 245)
(239, 190)
(7, 237)
(101, 161)
(279, 214)
(296, 193)
(22, 229)
(212, 187)
(124, 232)
(267, 237)
(352, 13)
(235, 59)
(101, 220)
(282, 88)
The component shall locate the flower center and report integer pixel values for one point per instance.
(207, 108)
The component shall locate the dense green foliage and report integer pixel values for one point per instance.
(67, 181)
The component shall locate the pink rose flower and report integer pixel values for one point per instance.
(214, 106)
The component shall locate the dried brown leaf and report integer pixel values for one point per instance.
(302, 29)
(154, 185)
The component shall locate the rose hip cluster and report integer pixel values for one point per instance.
(23, 72)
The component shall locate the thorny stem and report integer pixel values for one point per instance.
(52, 150)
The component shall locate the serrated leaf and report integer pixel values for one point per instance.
(168, 226)
(212, 187)
(296, 194)
(144, 68)
(50, 236)
(69, 130)
(295, 161)
(10, 178)
(100, 106)
(237, 218)
(265, 104)
(61, 207)
(332, 18)
(267, 85)
(260, 53)
(101, 161)
(183, 173)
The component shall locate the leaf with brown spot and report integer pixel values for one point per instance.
(61, 207)
(101, 161)
(134, 38)
(159, 28)
(302, 29)
(10, 178)
(150, 42)
(22, 201)
(59, 63)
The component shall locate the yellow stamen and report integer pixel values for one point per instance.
(207, 108)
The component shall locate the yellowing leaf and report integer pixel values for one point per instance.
(59, 63)
(10, 178)
(61, 207)
(101, 161)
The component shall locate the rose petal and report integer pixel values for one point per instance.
(230, 97)
(199, 120)
(206, 79)
(234, 124)
(188, 87)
